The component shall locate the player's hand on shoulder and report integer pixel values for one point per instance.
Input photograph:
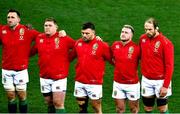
(62, 33)
(99, 38)
(29, 26)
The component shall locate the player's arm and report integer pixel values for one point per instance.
(33, 49)
(169, 63)
(107, 53)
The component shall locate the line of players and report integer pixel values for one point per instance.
(56, 50)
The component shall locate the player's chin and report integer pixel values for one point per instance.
(85, 39)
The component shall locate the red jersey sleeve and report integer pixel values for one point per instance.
(169, 62)
(73, 54)
(107, 52)
(34, 33)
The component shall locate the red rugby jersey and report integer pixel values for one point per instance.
(157, 58)
(0, 26)
(126, 58)
(91, 58)
(53, 55)
(16, 46)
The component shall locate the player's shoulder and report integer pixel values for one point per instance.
(165, 40)
(79, 41)
(41, 35)
(116, 43)
(143, 36)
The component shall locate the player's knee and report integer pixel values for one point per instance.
(96, 104)
(120, 109)
(21, 87)
(162, 105)
(162, 102)
(83, 104)
(148, 104)
(134, 110)
(58, 104)
(9, 87)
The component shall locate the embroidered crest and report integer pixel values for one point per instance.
(21, 33)
(130, 51)
(56, 40)
(94, 48)
(156, 46)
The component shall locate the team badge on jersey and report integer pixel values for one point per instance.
(156, 46)
(130, 51)
(21, 33)
(94, 48)
(56, 40)
(4, 32)
(115, 93)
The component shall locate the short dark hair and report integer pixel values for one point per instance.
(51, 19)
(130, 27)
(15, 11)
(88, 25)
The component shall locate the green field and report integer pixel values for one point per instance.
(108, 16)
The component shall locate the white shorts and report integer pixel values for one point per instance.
(49, 85)
(123, 91)
(94, 92)
(152, 87)
(11, 78)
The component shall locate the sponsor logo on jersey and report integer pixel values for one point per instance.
(41, 40)
(143, 40)
(20, 81)
(93, 95)
(132, 96)
(79, 44)
(57, 87)
(4, 32)
(117, 46)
